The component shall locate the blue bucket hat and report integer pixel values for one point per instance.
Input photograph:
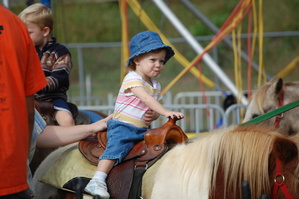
(145, 42)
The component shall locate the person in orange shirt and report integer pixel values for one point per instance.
(20, 78)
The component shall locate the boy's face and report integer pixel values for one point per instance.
(37, 34)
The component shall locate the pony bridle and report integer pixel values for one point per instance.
(279, 116)
(279, 182)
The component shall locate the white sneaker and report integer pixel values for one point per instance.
(97, 188)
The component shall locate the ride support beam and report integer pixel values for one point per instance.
(215, 30)
(198, 49)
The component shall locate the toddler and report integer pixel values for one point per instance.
(137, 104)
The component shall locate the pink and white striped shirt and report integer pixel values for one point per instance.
(128, 107)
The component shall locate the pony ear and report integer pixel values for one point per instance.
(275, 88)
(285, 149)
(279, 85)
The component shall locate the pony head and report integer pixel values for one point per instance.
(270, 96)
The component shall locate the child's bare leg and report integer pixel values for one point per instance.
(105, 165)
(64, 118)
(97, 185)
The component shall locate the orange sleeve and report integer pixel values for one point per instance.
(35, 77)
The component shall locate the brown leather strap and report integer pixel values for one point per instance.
(91, 149)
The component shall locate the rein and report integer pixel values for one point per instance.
(273, 113)
(280, 184)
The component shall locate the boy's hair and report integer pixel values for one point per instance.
(38, 14)
(132, 64)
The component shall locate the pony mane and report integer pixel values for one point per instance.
(291, 84)
(292, 87)
(242, 153)
(226, 157)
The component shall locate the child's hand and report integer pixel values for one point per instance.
(172, 114)
(150, 116)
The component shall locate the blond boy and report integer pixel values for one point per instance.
(55, 60)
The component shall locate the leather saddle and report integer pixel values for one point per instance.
(46, 109)
(124, 180)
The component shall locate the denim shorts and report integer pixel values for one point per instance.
(121, 139)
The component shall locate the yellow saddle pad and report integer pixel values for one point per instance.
(68, 165)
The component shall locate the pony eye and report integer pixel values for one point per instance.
(254, 115)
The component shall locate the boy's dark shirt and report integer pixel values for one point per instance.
(56, 63)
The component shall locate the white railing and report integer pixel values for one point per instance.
(199, 117)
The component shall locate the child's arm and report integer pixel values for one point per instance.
(59, 76)
(151, 102)
(150, 116)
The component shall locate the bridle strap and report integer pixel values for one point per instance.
(279, 116)
(280, 184)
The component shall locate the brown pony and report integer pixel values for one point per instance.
(271, 95)
(210, 167)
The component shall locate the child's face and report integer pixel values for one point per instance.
(150, 64)
(37, 34)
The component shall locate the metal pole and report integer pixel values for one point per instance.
(81, 76)
(198, 49)
(6, 3)
(88, 89)
(215, 30)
